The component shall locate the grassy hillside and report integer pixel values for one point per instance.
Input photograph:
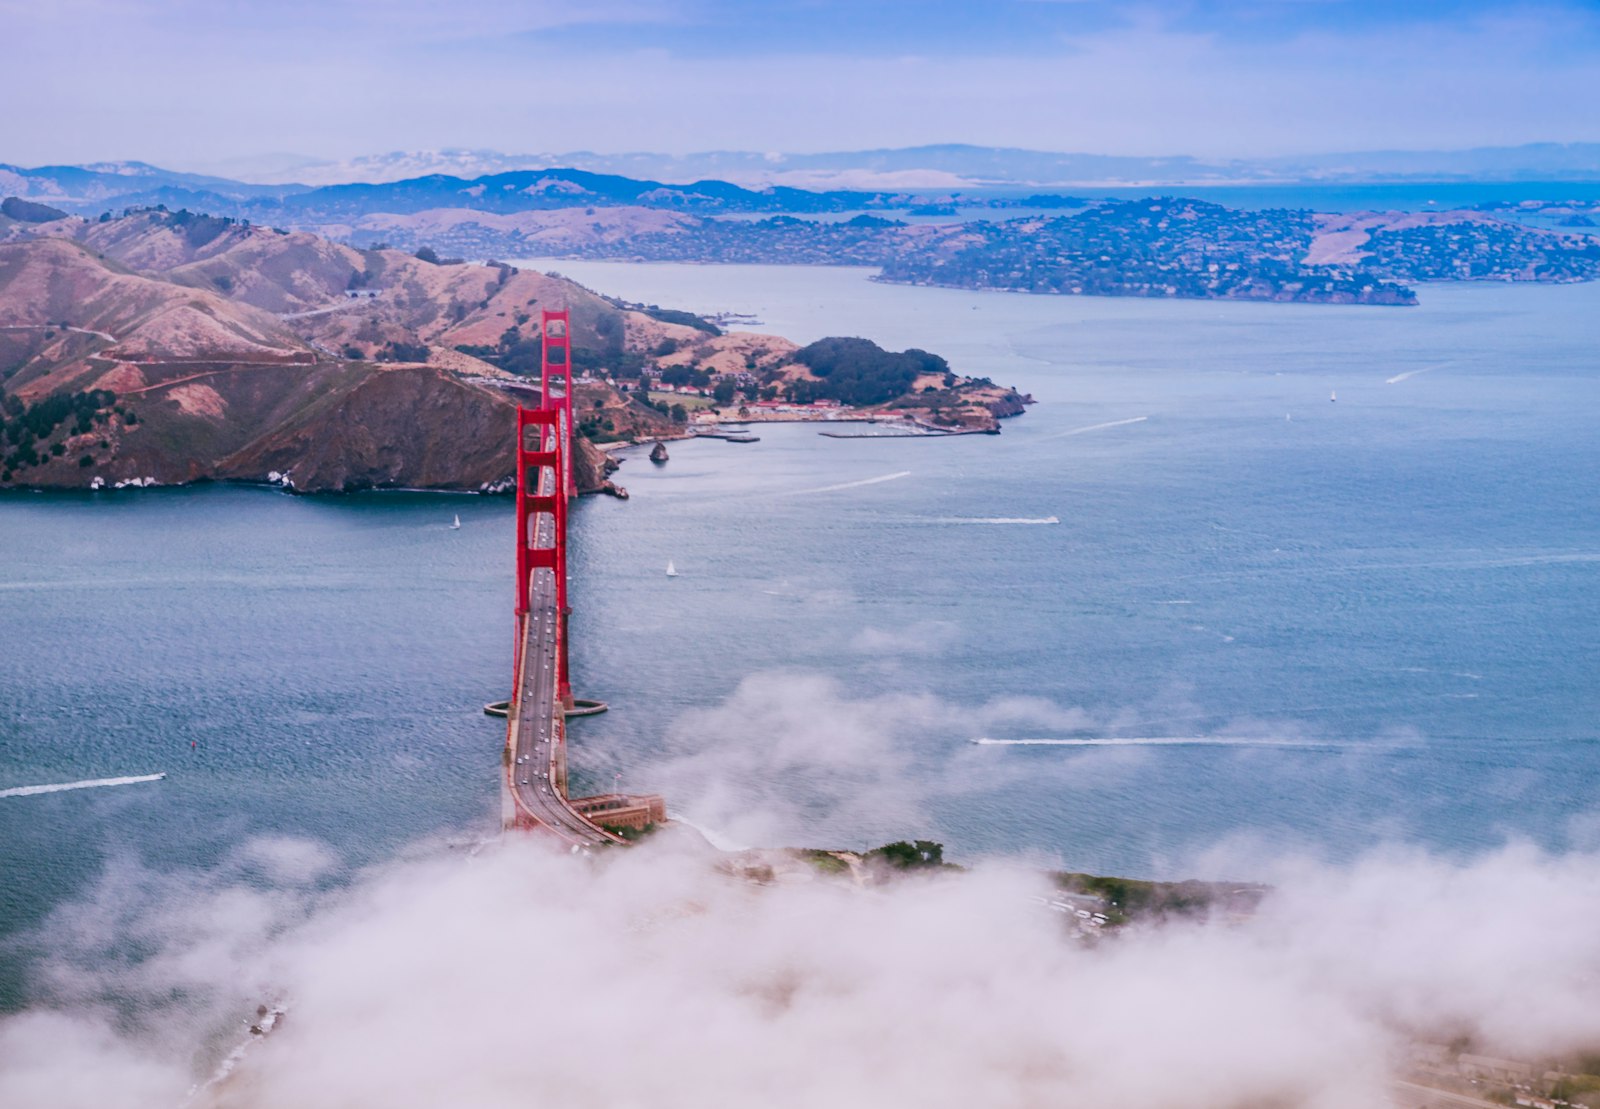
(181, 347)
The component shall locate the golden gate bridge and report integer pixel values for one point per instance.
(535, 795)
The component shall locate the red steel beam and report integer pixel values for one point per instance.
(555, 371)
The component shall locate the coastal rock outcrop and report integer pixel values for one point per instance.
(1010, 404)
(590, 468)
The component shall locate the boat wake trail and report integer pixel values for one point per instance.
(849, 484)
(1095, 427)
(995, 520)
(29, 791)
(1397, 378)
(1161, 741)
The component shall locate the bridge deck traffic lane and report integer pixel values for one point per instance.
(537, 723)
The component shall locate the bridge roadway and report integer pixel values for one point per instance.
(537, 722)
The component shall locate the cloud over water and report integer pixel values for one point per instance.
(517, 976)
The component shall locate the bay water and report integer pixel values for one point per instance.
(1260, 618)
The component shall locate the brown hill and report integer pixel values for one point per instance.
(457, 305)
(278, 273)
(268, 269)
(408, 427)
(54, 284)
(206, 387)
(554, 231)
(177, 347)
(155, 241)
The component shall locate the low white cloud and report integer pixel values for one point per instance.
(521, 976)
(288, 860)
(789, 755)
(925, 637)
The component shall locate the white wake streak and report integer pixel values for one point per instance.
(1397, 378)
(96, 783)
(996, 520)
(1156, 741)
(1095, 427)
(851, 484)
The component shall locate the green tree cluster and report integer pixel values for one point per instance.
(197, 227)
(27, 211)
(687, 319)
(398, 350)
(24, 428)
(919, 854)
(685, 375)
(860, 372)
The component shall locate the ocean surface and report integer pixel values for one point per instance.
(1249, 618)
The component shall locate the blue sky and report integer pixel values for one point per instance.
(185, 82)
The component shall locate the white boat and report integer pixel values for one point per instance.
(457, 525)
(1332, 395)
(672, 571)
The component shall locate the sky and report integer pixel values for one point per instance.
(191, 83)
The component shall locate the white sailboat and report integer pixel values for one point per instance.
(457, 525)
(1332, 395)
(672, 571)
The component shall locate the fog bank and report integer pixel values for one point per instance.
(518, 976)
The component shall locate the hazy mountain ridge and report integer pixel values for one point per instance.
(520, 191)
(745, 180)
(1242, 254)
(968, 164)
(119, 183)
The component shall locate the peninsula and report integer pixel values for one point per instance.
(163, 347)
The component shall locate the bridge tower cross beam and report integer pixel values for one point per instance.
(555, 391)
(555, 381)
(539, 451)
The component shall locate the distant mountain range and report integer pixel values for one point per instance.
(744, 181)
(115, 181)
(954, 166)
(87, 191)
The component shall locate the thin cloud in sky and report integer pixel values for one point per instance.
(187, 82)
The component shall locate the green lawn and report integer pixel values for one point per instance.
(688, 400)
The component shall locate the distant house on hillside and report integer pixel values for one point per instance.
(362, 294)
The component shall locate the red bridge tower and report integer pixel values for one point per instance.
(545, 481)
(555, 383)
